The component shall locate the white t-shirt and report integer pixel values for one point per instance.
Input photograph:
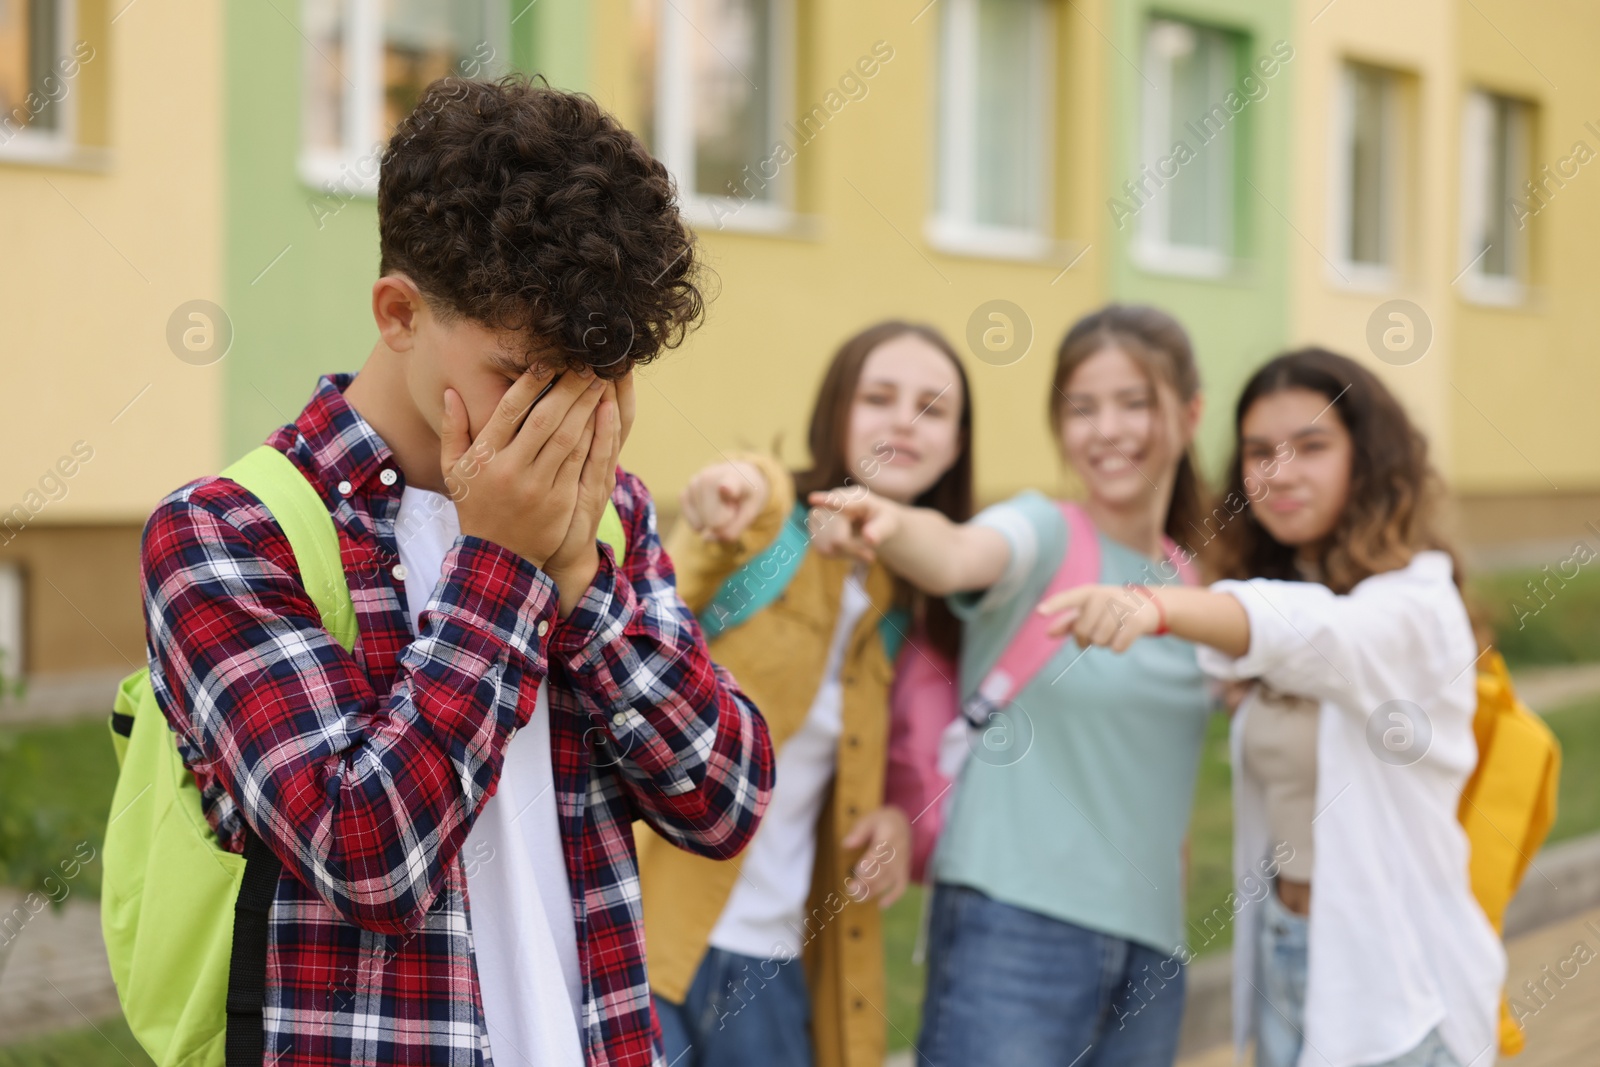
(764, 915)
(523, 934)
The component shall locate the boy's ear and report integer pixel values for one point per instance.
(396, 304)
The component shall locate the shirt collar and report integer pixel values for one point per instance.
(343, 446)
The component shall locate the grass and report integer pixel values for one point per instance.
(56, 783)
(1577, 727)
(1556, 620)
(107, 1044)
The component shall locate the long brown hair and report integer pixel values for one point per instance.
(1160, 345)
(1395, 501)
(830, 468)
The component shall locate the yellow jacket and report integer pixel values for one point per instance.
(778, 656)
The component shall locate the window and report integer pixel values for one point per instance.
(713, 78)
(37, 64)
(366, 63)
(995, 89)
(1367, 175)
(12, 618)
(1495, 151)
(1187, 149)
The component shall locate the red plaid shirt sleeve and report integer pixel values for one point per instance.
(694, 757)
(366, 796)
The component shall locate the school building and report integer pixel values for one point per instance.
(189, 204)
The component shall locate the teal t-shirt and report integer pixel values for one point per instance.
(1076, 802)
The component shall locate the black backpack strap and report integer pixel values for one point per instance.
(247, 970)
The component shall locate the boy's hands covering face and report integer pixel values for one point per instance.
(518, 483)
(574, 563)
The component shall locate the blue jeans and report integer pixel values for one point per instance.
(1281, 995)
(741, 1010)
(1009, 987)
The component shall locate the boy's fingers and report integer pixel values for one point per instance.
(513, 408)
(627, 405)
(454, 436)
(570, 434)
(596, 466)
(550, 418)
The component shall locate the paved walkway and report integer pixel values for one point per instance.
(56, 978)
(1564, 1028)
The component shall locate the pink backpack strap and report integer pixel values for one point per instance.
(1031, 648)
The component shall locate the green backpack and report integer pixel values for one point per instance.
(184, 919)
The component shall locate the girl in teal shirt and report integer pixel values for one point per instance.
(1057, 915)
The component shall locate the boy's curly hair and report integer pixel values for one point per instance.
(529, 209)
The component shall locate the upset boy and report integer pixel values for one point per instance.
(515, 697)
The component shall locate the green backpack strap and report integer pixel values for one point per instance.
(762, 580)
(299, 510)
(184, 920)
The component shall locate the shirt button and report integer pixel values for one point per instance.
(399, 572)
(388, 477)
(543, 627)
(619, 719)
(345, 488)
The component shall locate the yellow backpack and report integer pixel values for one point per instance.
(1509, 803)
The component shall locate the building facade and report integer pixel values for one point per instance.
(188, 193)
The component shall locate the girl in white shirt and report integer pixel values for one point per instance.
(1341, 602)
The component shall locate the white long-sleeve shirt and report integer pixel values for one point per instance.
(1398, 944)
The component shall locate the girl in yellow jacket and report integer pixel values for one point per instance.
(774, 956)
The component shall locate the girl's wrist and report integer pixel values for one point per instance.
(1161, 610)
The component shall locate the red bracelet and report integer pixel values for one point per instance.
(1161, 611)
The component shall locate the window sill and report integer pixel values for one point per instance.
(1488, 291)
(994, 242)
(87, 159)
(1177, 261)
(731, 215)
(1363, 277)
(337, 176)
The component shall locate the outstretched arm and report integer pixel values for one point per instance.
(1115, 616)
(921, 545)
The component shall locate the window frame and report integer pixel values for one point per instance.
(28, 144)
(338, 171)
(674, 134)
(13, 620)
(1152, 250)
(1477, 186)
(1344, 270)
(953, 229)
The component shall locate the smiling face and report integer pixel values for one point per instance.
(905, 419)
(1123, 430)
(1296, 452)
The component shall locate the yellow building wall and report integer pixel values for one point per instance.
(1530, 370)
(98, 253)
(99, 250)
(1416, 39)
(864, 189)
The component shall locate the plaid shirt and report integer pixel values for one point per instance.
(364, 771)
